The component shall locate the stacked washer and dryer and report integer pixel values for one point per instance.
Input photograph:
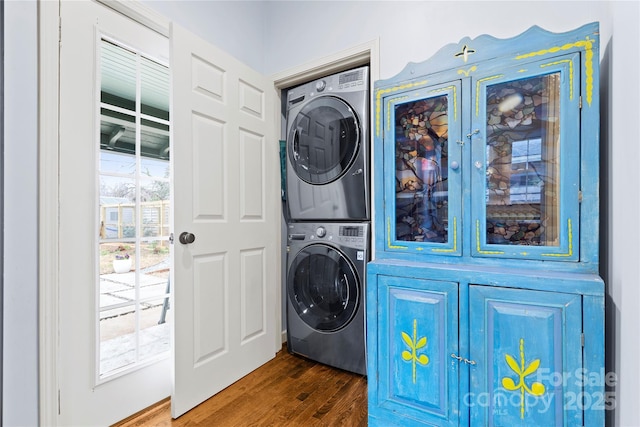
(328, 230)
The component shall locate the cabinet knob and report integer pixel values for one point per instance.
(478, 164)
(455, 165)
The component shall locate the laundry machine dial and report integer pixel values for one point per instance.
(321, 231)
(320, 85)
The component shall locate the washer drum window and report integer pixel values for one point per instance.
(323, 288)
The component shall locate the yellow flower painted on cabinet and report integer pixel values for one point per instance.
(536, 389)
(414, 345)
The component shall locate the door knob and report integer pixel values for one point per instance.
(186, 238)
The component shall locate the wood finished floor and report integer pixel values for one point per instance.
(287, 391)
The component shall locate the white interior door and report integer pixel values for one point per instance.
(86, 398)
(227, 195)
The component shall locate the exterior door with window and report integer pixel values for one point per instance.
(114, 216)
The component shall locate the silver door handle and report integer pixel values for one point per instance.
(186, 238)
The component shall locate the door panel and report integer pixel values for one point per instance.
(227, 195)
(208, 167)
(210, 290)
(527, 354)
(252, 171)
(252, 294)
(419, 331)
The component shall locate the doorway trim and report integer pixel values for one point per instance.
(368, 52)
(48, 238)
(49, 27)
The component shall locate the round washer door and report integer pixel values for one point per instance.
(323, 140)
(323, 287)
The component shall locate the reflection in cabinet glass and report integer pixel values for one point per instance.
(523, 158)
(421, 151)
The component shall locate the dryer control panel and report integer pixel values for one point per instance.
(353, 235)
(347, 81)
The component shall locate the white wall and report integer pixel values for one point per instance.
(408, 30)
(20, 310)
(620, 254)
(238, 27)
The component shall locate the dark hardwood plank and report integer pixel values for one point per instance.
(287, 391)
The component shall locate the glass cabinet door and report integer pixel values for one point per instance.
(424, 215)
(525, 161)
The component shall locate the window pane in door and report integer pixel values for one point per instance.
(154, 330)
(523, 161)
(118, 75)
(117, 207)
(154, 89)
(155, 219)
(117, 338)
(117, 163)
(154, 269)
(153, 168)
(117, 135)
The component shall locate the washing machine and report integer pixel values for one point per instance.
(326, 293)
(328, 148)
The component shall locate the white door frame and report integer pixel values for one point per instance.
(48, 100)
(48, 238)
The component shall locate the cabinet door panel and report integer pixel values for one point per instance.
(422, 164)
(528, 357)
(418, 332)
(526, 145)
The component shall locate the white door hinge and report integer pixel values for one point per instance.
(579, 196)
(582, 339)
(580, 102)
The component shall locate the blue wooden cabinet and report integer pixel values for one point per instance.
(484, 303)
